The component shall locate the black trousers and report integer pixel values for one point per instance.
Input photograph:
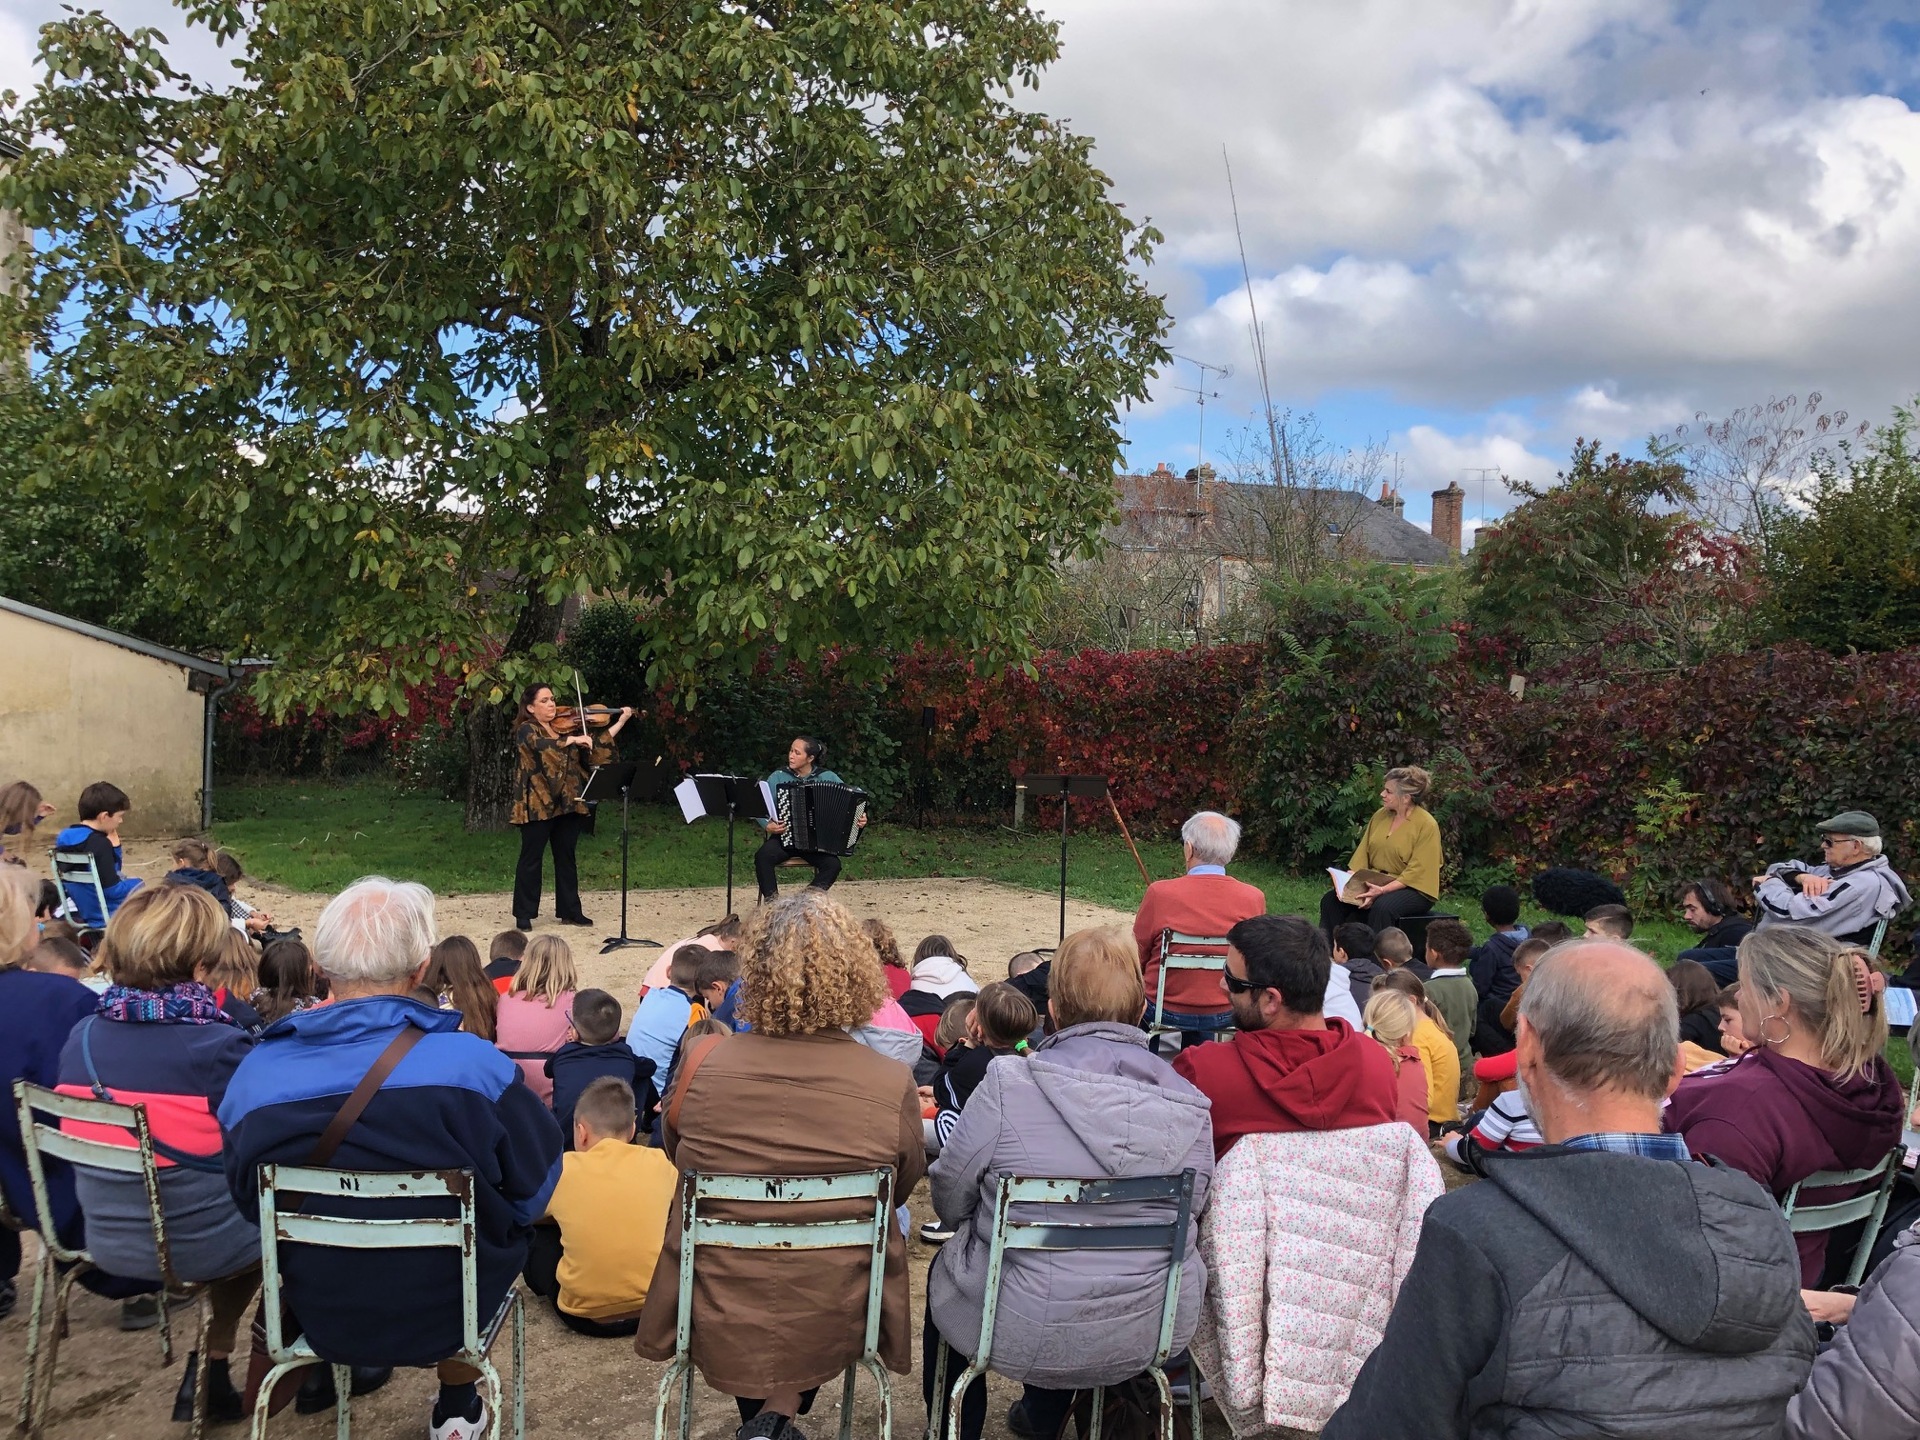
(766, 864)
(1387, 910)
(563, 833)
(542, 1274)
(1046, 1409)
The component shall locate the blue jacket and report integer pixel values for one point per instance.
(454, 1103)
(106, 864)
(574, 1066)
(37, 1012)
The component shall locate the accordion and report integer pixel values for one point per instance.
(822, 816)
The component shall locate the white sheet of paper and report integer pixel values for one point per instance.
(1900, 1005)
(1340, 879)
(766, 794)
(688, 794)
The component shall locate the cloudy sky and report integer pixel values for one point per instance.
(1479, 228)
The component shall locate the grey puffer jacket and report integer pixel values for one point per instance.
(1860, 898)
(1591, 1294)
(1091, 1102)
(1866, 1385)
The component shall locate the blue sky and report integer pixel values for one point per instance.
(1480, 228)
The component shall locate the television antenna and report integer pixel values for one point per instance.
(1201, 396)
(1482, 471)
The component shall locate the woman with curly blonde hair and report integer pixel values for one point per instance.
(795, 1095)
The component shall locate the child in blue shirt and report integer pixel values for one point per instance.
(103, 809)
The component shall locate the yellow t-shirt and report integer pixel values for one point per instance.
(1437, 1053)
(1410, 854)
(612, 1204)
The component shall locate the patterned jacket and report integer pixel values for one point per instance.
(551, 772)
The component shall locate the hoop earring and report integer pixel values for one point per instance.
(1785, 1024)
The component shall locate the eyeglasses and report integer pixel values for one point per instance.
(1236, 986)
(1827, 842)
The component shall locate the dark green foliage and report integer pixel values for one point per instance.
(1844, 573)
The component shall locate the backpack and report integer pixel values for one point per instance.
(1129, 1410)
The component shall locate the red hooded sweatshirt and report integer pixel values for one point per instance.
(1289, 1080)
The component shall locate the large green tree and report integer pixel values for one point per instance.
(1843, 571)
(778, 315)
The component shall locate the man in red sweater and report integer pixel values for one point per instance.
(1204, 901)
(1288, 1068)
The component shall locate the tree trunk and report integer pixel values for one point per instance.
(490, 759)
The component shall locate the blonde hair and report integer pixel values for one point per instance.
(1096, 976)
(1817, 974)
(1390, 1017)
(1411, 781)
(952, 1027)
(806, 966)
(19, 896)
(19, 808)
(161, 935)
(547, 971)
(236, 966)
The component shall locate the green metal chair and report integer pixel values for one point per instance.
(1869, 1206)
(282, 1222)
(1879, 938)
(1156, 1017)
(865, 1231)
(75, 869)
(1057, 1234)
(60, 1267)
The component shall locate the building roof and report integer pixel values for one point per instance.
(1159, 507)
(216, 668)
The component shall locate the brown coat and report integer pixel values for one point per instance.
(788, 1105)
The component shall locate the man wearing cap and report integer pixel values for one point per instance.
(1846, 897)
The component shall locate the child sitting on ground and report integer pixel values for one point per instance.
(949, 1029)
(1394, 950)
(254, 921)
(103, 810)
(289, 981)
(233, 976)
(594, 1253)
(1390, 1018)
(1524, 959)
(193, 865)
(1505, 1124)
(1609, 922)
(504, 955)
(1449, 986)
(59, 956)
(665, 1011)
(1697, 994)
(1733, 1035)
(595, 1053)
(997, 1023)
(1437, 1053)
(1353, 951)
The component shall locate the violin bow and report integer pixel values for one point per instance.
(1145, 878)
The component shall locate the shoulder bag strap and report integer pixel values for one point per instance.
(356, 1104)
(683, 1082)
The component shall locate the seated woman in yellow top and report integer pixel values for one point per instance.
(1402, 840)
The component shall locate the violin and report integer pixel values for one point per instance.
(566, 718)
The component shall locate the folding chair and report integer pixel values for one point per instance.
(1879, 938)
(60, 1267)
(862, 1231)
(1074, 1234)
(286, 1224)
(1869, 1206)
(1156, 1017)
(74, 869)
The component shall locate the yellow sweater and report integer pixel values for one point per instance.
(612, 1204)
(1443, 1069)
(1410, 854)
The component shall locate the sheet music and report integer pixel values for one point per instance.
(688, 794)
(766, 797)
(1900, 1005)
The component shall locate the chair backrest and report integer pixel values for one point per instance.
(866, 1230)
(75, 869)
(1186, 960)
(1879, 938)
(42, 1112)
(284, 1222)
(1075, 1232)
(1869, 1205)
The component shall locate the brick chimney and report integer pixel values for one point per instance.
(1449, 508)
(1391, 499)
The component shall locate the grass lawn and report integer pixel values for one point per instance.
(316, 836)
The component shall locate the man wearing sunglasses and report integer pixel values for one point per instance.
(1288, 1066)
(1847, 896)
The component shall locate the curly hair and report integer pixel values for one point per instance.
(806, 966)
(884, 944)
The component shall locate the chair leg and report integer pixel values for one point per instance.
(955, 1395)
(201, 1361)
(519, 1365)
(1099, 1404)
(939, 1389)
(50, 1352)
(494, 1390)
(342, 1401)
(846, 1405)
(42, 1272)
(883, 1383)
(271, 1379)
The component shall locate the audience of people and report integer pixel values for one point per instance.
(1202, 900)
(1847, 895)
(1600, 1284)
(1089, 1100)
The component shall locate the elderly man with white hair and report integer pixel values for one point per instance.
(1848, 896)
(1203, 901)
(440, 1100)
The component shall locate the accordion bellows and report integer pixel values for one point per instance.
(822, 816)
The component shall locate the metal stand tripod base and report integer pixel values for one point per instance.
(622, 940)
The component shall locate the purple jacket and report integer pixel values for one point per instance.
(1092, 1102)
(1780, 1121)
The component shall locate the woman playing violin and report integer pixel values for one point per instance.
(554, 748)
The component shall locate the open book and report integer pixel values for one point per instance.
(1348, 884)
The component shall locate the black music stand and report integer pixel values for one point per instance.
(1086, 787)
(607, 781)
(738, 797)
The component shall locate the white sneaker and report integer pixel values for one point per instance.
(459, 1427)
